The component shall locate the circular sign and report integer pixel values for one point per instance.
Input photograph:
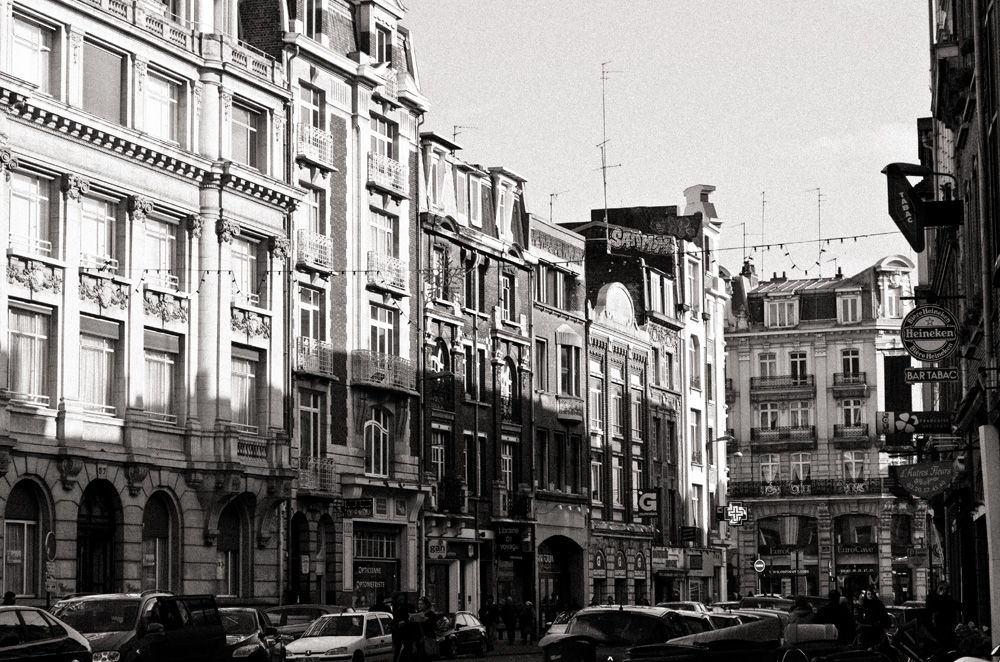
(930, 333)
(759, 565)
(50, 546)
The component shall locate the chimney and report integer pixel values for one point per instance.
(840, 273)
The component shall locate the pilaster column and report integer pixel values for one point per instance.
(209, 121)
(74, 75)
(70, 429)
(139, 104)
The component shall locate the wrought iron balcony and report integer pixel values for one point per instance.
(386, 173)
(452, 496)
(389, 89)
(809, 488)
(314, 356)
(386, 271)
(782, 382)
(849, 379)
(315, 251)
(850, 431)
(317, 474)
(794, 433)
(383, 370)
(314, 144)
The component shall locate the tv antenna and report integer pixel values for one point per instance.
(604, 135)
(819, 228)
(552, 198)
(763, 204)
(455, 130)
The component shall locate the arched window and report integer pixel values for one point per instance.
(229, 546)
(159, 546)
(98, 557)
(377, 443)
(22, 538)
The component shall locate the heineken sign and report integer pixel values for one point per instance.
(930, 333)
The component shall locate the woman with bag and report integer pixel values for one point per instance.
(426, 620)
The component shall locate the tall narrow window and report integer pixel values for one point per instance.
(312, 423)
(384, 138)
(244, 389)
(161, 253)
(854, 465)
(617, 480)
(768, 414)
(98, 341)
(507, 297)
(439, 272)
(248, 137)
(382, 46)
(163, 98)
(157, 545)
(29, 214)
(475, 202)
(852, 412)
(229, 546)
(31, 55)
(798, 413)
(693, 294)
(893, 308)
(850, 308)
(29, 356)
(770, 467)
(245, 271)
(314, 205)
(385, 233)
(311, 109)
(541, 364)
(384, 330)
(162, 362)
(767, 363)
(596, 406)
(102, 82)
(22, 539)
(617, 410)
(377, 443)
(801, 467)
(694, 362)
(311, 314)
(596, 479)
(696, 437)
(799, 368)
(851, 361)
(507, 465)
(313, 15)
(97, 234)
(636, 414)
(569, 370)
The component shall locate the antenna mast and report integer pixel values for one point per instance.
(455, 130)
(552, 197)
(819, 229)
(604, 135)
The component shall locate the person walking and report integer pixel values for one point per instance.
(837, 614)
(489, 614)
(943, 610)
(801, 612)
(873, 619)
(508, 614)
(8, 597)
(528, 620)
(425, 621)
(402, 629)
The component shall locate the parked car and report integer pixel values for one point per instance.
(684, 605)
(559, 623)
(357, 636)
(766, 602)
(460, 633)
(250, 636)
(292, 620)
(28, 633)
(607, 632)
(152, 626)
(697, 621)
(721, 620)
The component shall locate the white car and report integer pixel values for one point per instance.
(357, 636)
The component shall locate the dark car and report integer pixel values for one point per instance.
(766, 602)
(606, 633)
(149, 626)
(293, 620)
(460, 633)
(28, 633)
(250, 636)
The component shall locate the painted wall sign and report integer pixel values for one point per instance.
(362, 507)
(655, 220)
(857, 548)
(926, 479)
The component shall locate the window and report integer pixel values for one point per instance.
(97, 234)
(770, 467)
(439, 273)
(312, 423)
(313, 15)
(311, 101)
(21, 543)
(161, 253)
(384, 330)
(246, 283)
(475, 286)
(314, 206)
(31, 56)
(384, 138)
(596, 406)
(162, 363)
(158, 541)
(162, 108)
(636, 483)
(801, 465)
(438, 438)
(768, 414)
(382, 46)
(768, 364)
(854, 465)
(697, 499)
(782, 313)
(29, 355)
(799, 368)
(636, 409)
(377, 443)
(470, 372)
(694, 362)
(29, 213)
(696, 439)
(596, 479)
(245, 364)
(475, 202)
(671, 370)
(98, 345)
(617, 481)
(893, 308)
(507, 468)
(693, 295)
(851, 361)
(311, 314)
(102, 82)
(385, 233)
(798, 412)
(471, 464)
(617, 410)
(569, 370)
(229, 546)
(248, 139)
(461, 195)
(850, 308)
(852, 412)
(507, 297)
(541, 364)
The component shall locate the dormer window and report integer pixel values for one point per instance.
(893, 309)
(850, 308)
(382, 46)
(782, 313)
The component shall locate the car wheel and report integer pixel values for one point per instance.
(450, 648)
(358, 657)
(483, 647)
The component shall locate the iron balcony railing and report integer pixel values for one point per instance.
(390, 87)
(859, 431)
(315, 250)
(849, 379)
(386, 271)
(314, 144)
(31, 245)
(317, 474)
(794, 433)
(314, 356)
(385, 370)
(808, 488)
(386, 173)
(782, 381)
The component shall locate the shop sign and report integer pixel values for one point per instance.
(437, 548)
(892, 423)
(695, 562)
(856, 568)
(926, 479)
(649, 502)
(930, 333)
(640, 566)
(776, 551)
(867, 548)
(689, 533)
(512, 541)
(600, 568)
(658, 558)
(788, 572)
(621, 565)
(354, 508)
(547, 562)
(375, 577)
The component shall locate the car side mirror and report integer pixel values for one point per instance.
(154, 628)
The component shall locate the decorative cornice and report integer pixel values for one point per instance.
(166, 307)
(35, 276)
(195, 223)
(75, 186)
(227, 230)
(103, 291)
(280, 247)
(140, 207)
(250, 323)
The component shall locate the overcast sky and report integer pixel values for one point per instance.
(780, 97)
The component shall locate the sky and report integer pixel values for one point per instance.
(790, 109)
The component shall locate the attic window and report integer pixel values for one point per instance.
(850, 308)
(783, 313)
(382, 48)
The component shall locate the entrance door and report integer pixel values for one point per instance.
(95, 546)
(439, 586)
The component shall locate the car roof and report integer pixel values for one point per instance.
(643, 609)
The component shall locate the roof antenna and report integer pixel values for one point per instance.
(552, 197)
(455, 133)
(604, 143)
(819, 228)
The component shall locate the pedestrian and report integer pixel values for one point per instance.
(508, 614)
(380, 604)
(801, 612)
(837, 614)
(8, 597)
(943, 610)
(425, 621)
(402, 631)
(873, 619)
(489, 614)
(528, 619)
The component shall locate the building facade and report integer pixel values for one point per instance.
(810, 364)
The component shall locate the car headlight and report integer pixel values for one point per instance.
(341, 650)
(106, 656)
(245, 651)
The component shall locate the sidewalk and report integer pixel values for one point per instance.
(517, 648)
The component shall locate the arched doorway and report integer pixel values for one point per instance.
(233, 539)
(97, 555)
(560, 578)
(789, 545)
(23, 526)
(298, 552)
(160, 545)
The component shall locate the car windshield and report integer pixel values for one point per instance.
(239, 622)
(618, 628)
(99, 615)
(336, 626)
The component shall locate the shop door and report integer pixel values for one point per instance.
(438, 586)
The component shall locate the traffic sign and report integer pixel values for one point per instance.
(930, 333)
(759, 565)
(918, 375)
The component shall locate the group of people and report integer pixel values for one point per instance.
(413, 628)
(866, 620)
(510, 615)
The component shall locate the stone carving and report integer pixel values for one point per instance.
(75, 186)
(195, 225)
(106, 293)
(33, 275)
(139, 207)
(135, 474)
(227, 105)
(166, 307)
(140, 74)
(8, 163)
(69, 469)
(280, 247)
(227, 230)
(76, 43)
(250, 323)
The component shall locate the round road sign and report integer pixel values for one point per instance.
(759, 565)
(930, 333)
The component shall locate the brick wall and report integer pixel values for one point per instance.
(260, 25)
(338, 230)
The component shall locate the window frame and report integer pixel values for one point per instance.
(171, 129)
(254, 136)
(97, 85)
(33, 213)
(800, 467)
(570, 357)
(782, 313)
(39, 338)
(542, 364)
(849, 309)
(312, 407)
(245, 375)
(378, 443)
(45, 51)
(162, 234)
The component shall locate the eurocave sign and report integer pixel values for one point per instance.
(926, 479)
